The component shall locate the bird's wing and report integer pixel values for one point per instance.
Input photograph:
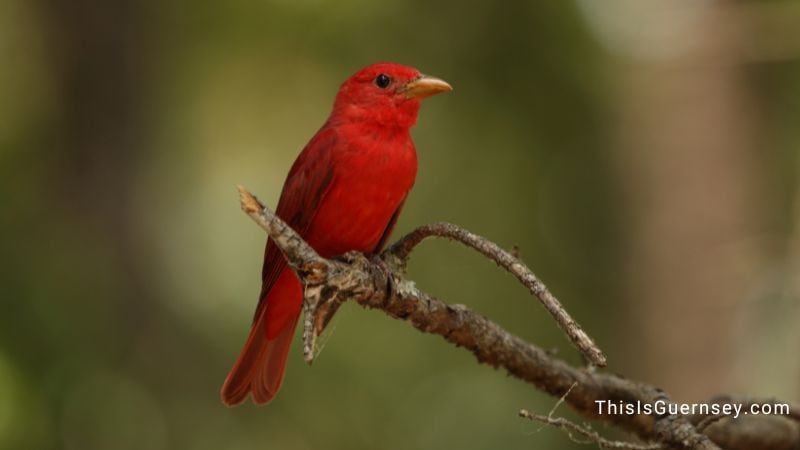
(390, 226)
(305, 187)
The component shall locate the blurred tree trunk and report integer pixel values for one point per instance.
(99, 59)
(687, 162)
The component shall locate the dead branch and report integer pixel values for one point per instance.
(403, 248)
(377, 282)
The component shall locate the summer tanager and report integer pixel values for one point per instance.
(344, 192)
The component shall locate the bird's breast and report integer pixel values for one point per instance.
(371, 179)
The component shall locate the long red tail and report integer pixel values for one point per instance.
(262, 363)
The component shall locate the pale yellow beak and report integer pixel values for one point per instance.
(425, 86)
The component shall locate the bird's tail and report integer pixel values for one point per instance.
(262, 363)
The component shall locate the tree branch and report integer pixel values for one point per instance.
(403, 248)
(378, 283)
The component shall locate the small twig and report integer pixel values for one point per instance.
(402, 251)
(592, 436)
(561, 399)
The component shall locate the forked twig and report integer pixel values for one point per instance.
(401, 251)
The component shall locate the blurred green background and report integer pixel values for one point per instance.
(642, 155)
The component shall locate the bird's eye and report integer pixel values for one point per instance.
(382, 81)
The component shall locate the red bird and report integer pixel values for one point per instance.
(344, 192)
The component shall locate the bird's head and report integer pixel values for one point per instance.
(386, 94)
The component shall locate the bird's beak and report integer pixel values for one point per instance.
(425, 86)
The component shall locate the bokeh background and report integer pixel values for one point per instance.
(643, 155)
